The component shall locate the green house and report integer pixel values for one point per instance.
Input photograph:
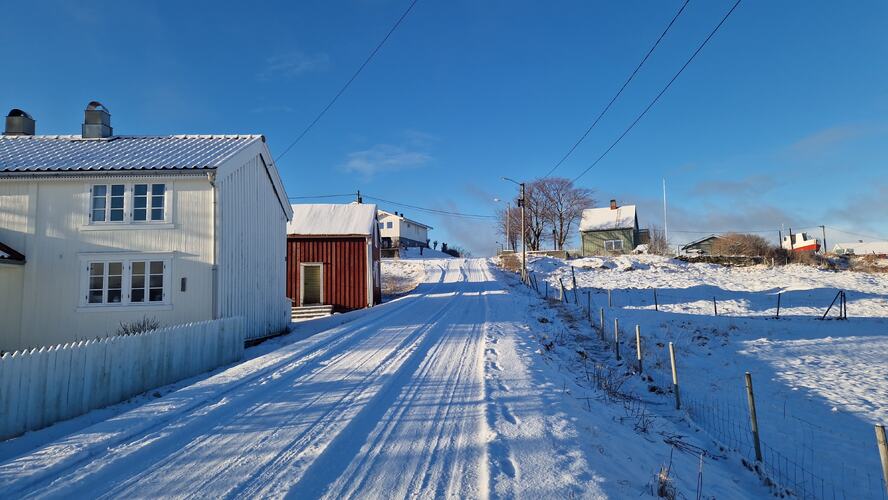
(611, 230)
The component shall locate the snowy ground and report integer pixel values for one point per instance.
(820, 385)
(449, 391)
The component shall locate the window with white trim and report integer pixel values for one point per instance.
(613, 245)
(126, 282)
(388, 224)
(148, 202)
(128, 203)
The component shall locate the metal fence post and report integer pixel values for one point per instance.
(882, 442)
(656, 302)
(674, 377)
(610, 301)
(753, 418)
(638, 347)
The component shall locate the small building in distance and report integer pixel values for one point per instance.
(397, 231)
(862, 248)
(702, 246)
(332, 258)
(611, 230)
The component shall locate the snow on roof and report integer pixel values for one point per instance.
(860, 248)
(601, 219)
(53, 153)
(333, 219)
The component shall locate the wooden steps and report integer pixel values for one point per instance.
(304, 313)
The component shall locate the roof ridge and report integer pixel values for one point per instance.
(172, 136)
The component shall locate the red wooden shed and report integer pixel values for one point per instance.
(333, 256)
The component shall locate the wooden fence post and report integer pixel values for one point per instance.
(617, 337)
(562, 298)
(610, 301)
(714, 306)
(656, 303)
(638, 348)
(547, 289)
(753, 418)
(589, 305)
(674, 377)
(573, 277)
(601, 323)
(882, 443)
(778, 304)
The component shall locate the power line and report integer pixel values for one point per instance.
(657, 98)
(857, 234)
(349, 82)
(399, 204)
(432, 210)
(321, 196)
(617, 95)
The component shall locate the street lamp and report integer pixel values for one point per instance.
(522, 204)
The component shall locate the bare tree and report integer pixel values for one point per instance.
(509, 225)
(537, 222)
(657, 243)
(562, 206)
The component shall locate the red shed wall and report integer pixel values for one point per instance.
(345, 269)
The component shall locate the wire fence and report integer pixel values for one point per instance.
(805, 460)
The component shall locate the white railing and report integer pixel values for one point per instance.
(41, 386)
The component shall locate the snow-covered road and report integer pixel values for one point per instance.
(409, 400)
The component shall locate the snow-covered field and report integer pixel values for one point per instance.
(820, 385)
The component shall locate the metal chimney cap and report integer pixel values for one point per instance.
(96, 105)
(18, 112)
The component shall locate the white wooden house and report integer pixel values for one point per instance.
(397, 231)
(115, 228)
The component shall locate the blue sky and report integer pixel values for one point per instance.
(781, 119)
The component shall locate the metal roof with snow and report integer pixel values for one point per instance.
(606, 218)
(863, 248)
(64, 153)
(328, 219)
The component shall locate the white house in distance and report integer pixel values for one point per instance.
(862, 248)
(116, 228)
(398, 231)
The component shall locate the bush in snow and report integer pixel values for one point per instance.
(751, 245)
(143, 325)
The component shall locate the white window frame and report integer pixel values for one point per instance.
(613, 245)
(126, 259)
(302, 267)
(129, 206)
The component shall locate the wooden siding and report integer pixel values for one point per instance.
(593, 241)
(345, 269)
(47, 220)
(251, 249)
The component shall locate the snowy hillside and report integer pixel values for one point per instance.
(820, 384)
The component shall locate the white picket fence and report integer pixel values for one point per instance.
(50, 384)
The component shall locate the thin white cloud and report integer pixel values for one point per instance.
(384, 158)
(294, 64)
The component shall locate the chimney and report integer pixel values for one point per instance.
(19, 123)
(96, 122)
(613, 204)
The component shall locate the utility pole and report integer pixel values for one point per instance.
(523, 235)
(665, 226)
(523, 204)
(825, 248)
